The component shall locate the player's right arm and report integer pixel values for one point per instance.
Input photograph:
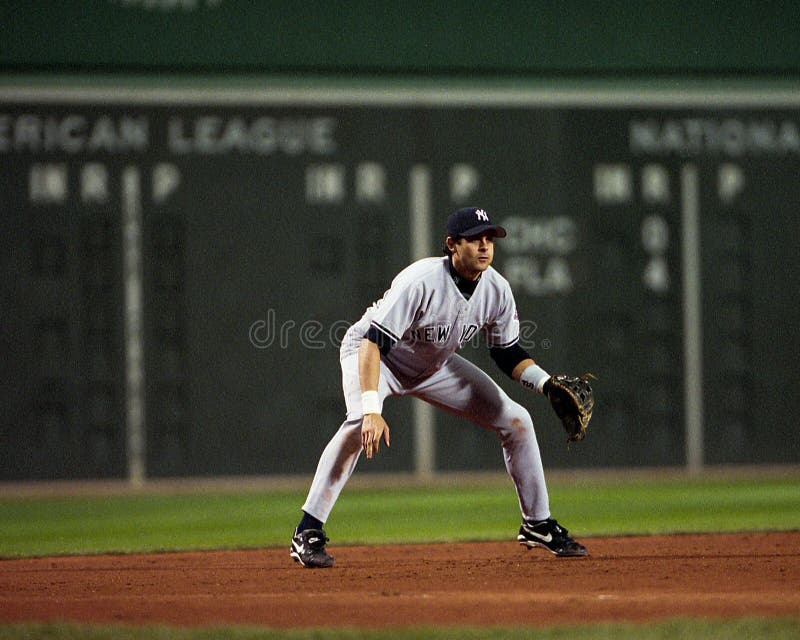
(390, 319)
(373, 426)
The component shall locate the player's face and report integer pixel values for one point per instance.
(472, 256)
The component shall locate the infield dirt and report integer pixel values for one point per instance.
(635, 579)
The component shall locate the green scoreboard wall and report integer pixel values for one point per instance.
(180, 266)
(465, 38)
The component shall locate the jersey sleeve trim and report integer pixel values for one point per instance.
(383, 341)
(506, 344)
(388, 332)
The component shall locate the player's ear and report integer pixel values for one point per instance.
(450, 244)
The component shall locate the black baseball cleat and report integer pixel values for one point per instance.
(308, 548)
(550, 535)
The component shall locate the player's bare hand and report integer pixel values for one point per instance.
(373, 428)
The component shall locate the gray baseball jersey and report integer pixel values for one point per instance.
(428, 320)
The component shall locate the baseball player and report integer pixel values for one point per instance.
(406, 344)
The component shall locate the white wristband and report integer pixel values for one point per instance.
(533, 378)
(370, 403)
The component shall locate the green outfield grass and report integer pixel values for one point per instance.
(467, 511)
(745, 629)
(474, 509)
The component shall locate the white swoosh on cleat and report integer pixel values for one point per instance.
(547, 538)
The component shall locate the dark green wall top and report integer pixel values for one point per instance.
(451, 37)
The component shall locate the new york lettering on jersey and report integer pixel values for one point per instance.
(438, 333)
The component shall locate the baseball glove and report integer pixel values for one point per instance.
(573, 401)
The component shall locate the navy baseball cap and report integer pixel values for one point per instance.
(472, 221)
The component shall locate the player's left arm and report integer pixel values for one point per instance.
(516, 372)
(503, 334)
(516, 363)
(572, 398)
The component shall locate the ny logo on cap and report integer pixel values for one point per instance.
(482, 215)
